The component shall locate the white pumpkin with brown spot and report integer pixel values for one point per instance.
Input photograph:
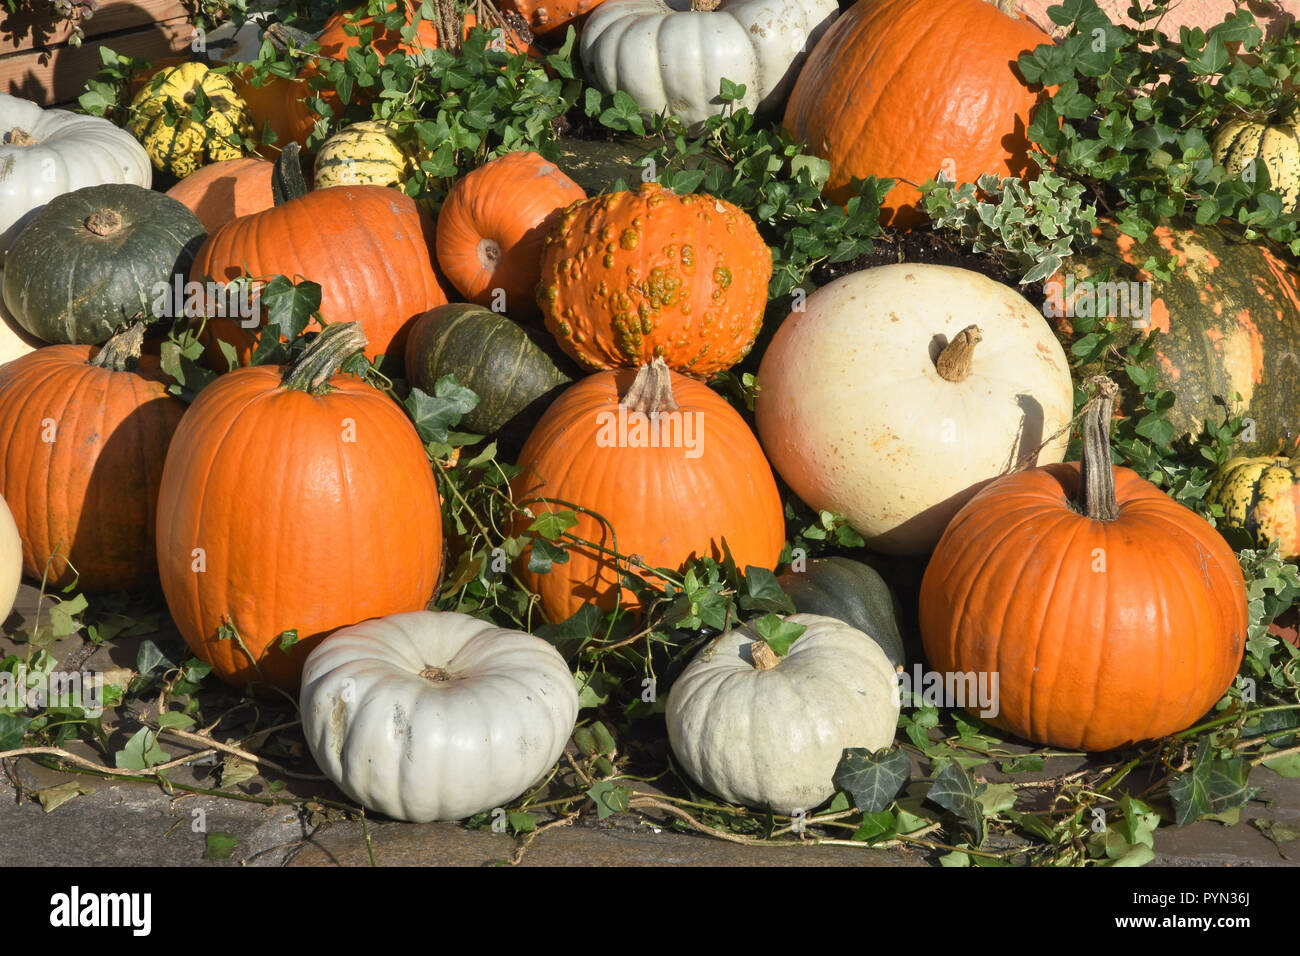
(435, 715)
(899, 391)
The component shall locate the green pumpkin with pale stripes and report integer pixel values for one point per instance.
(1262, 497)
(363, 154)
(1241, 145)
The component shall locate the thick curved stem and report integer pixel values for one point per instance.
(323, 358)
(121, 353)
(652, 391)
(1096, 497)
(953, 363)
(764, 657)
(287, 181)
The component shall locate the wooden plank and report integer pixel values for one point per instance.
(60, 75)
(25, 31)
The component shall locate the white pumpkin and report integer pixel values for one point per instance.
(15, 341)
(857, 417)
(668, 56)
(435, 715)
(46, 153)
(769, 732)
(11, 561)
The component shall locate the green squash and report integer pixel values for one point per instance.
(97, 258)
(1229, 322)
(509, 367)
(853, 593)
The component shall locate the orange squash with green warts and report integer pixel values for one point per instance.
(633, 276)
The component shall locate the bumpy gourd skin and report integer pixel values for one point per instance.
(182, 148)
(633, 276)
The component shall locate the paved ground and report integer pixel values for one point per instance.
(115, 823)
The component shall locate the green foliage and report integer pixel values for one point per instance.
(1031, 228)
(1134, 114)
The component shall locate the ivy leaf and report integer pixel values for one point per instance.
(1025, 763)
(219, 845)
(149, 659)
(544, 554)
(13, 728)
(287, 639)
(235, 770)
(434, 414)
(63, 616)
(779, 633)
(551, 525)
(176, 720)
(955, 790)
(290, 305)
(571, 635)
(609, 797)
(872, 779)
(876, 828)
(141, 751)
(54, 797)
(1212, 785)
(763, 593)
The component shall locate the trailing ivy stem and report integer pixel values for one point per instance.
(1096, 496)
(121, 353)
(324, 357)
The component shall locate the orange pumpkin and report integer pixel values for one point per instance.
(369, 247)
(633, 276)
(293, 500)
(674, 469)
(493, 225)
(909, 89)
(1108, 612)
(546, 16)
(220, 192)
(83, 434)
(279, 104)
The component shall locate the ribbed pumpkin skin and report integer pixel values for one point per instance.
(226, 190)
(94, 487)
(311, 531)
(544, 16)
(65, 284)
(1241, 144)
(1086, 658)
(183, 147)
(852, 592)
(367, 246)
(363, 154)
(1229, 322)
(491, 354)
(1262, 497)
(663, 505)
(905, 88)
(279, 104)
(492, 228)
(633, 276)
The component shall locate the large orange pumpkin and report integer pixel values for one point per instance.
(83, 434)
(546, 16)
(280, 104)
(673, 486)
(293, 500)
(492, 228)
(1108, 612)
(906, 89)
(220, 192)
(633, 276)
(369, 247)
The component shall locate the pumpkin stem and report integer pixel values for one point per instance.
(324, 357)
(19, 137)
(435, 674)
(652, 391)
(764, 657)
(104, 223)
(287, 181)
(121, 353)
(704, 6)
(1096, 498)
(1006, 6)
(953, 363)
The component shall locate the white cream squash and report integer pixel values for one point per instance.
(899, 391)
(46, 153)
(15, 341)
(11, 561)
(435, 715)
(667, 55)
(768, 732)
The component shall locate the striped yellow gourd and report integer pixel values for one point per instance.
(174, 140)
(1261, 496)
(363, 154)
(1241, 145)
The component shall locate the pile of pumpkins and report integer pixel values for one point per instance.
(293, 518)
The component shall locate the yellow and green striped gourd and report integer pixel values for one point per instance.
(1241, 144)
(184, 144)
(363, 154)
(1262, 497)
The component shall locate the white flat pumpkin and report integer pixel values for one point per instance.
(15, 341)
(46, 153)
(768, 732)
(11, 561)
(668, 56)
(435, 715)
(857, 417)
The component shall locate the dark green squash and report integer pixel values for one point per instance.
(852, 592)
(1229, 322)
(509, 367)
(97, 258)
